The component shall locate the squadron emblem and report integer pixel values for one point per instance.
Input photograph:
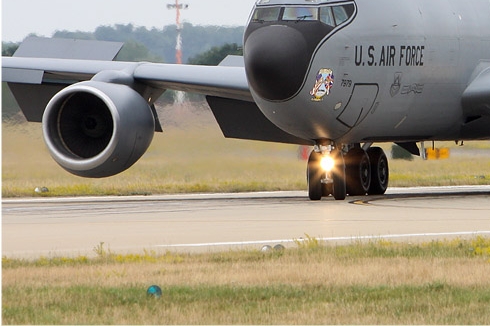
(323, 84)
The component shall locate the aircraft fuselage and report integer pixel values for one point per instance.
(369, 71)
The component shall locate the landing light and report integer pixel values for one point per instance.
(327, 163)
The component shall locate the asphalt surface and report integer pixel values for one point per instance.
(207, 222)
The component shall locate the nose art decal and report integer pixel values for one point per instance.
(323, 84)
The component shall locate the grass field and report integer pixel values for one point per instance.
(190, 157)
(193, 156)
(439, 282)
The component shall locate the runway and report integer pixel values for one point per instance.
(203, 222)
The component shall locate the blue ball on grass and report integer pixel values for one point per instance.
(154, 291)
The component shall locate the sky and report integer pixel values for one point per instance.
(44, 17)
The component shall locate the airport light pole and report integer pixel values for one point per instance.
(179, 96)
(178, 48)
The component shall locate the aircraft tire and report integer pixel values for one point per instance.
(314, 177)
(379, 171)
(358, 172)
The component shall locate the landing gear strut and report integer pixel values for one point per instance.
(356, 172)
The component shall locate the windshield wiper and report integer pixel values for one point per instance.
(303, 17)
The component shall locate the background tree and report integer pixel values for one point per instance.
(216, 54)
(135, 51)
(161, 42)
(9, 48)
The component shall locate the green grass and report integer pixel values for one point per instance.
(433, 303)
(378, 282)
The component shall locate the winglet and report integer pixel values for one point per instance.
(232, 61)
(60, 48)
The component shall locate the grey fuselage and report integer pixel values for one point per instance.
(393, 71)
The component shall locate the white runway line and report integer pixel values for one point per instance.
(351, 238)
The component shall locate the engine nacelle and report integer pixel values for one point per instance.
(96, 129)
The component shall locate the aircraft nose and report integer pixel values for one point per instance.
(276, 61)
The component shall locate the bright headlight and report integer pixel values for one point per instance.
(327, 163)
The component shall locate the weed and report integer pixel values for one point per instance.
(480, 246)
(308, 242)
(100, 251)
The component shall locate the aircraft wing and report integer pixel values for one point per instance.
(223, 81)
(213, 80)
(35, 80)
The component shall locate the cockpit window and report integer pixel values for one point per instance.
(267, 14)
(329, 15)
(340, 13)
(300, 13)
(326, 16)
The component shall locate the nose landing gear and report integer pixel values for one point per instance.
(322, 183)
(356, 172)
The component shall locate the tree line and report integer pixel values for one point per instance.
(203, 45)
(156, 45)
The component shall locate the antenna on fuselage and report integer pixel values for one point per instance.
(179, 96)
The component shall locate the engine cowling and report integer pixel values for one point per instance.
(96, 129)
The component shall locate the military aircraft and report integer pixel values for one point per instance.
(339, 75)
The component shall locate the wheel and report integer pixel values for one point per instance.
(379, 171)
(314, 175)
(357, 172)
(338, 176)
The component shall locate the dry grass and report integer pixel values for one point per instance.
(193, 156)
(389, 283)
(308, 271)
(461, 169)
(185, 158)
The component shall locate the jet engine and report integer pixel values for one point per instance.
(97, 129)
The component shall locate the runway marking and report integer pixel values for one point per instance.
(352, 238)
(361, 202)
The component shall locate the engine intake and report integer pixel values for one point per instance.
(95, 129)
